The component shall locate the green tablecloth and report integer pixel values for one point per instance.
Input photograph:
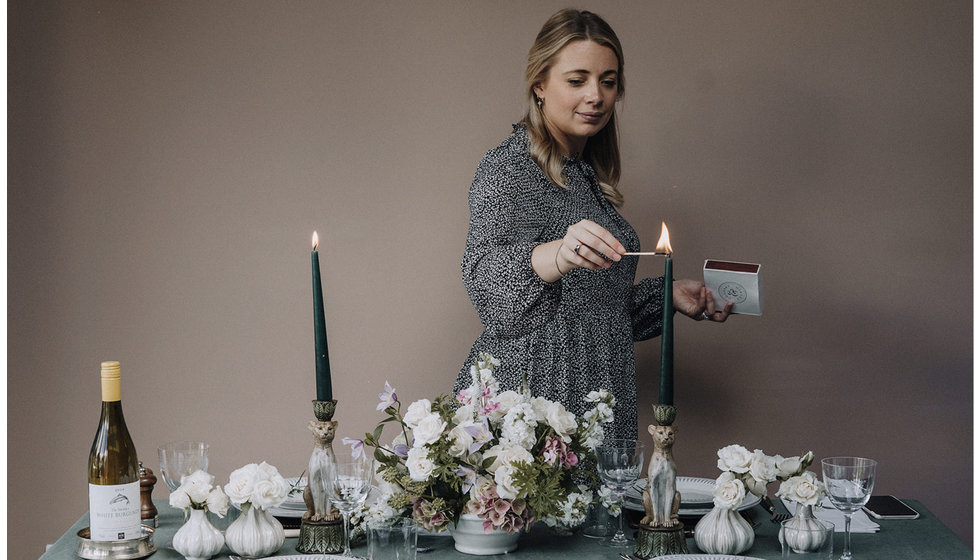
(925, 538)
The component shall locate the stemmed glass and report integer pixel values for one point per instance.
(350, 483)
(181, 458)
(848, 481)
(619, 462)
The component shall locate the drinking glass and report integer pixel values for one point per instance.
(393, 541)
(182, 458)
(619, 462)
(350, 483)
(848, 481)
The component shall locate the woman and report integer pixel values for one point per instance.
(544, 263)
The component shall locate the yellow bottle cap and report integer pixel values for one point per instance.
(110, 382)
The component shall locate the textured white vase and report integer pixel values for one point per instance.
(803, 532)
(471, 538)
(723, 531)
(198, 539)
(256, 533)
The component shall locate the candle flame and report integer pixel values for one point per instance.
(316, 240)
(663, 246)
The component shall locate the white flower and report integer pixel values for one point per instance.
(269, 492)
(420, 467)
(218, 502)
(593, 436)
(507, 401)
(429, 429)
(460, 440)
(762, 471)
(463, 415)
(241, 483)
(518, 427)
(507, 455)
(416, 412)
(480, 488)
(562, 421)
(506, 486)
(196, 485)
(734, 458)
(792, 466)
(179, 500)
(729, 491)
(804, 489)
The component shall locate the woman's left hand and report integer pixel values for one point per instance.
(694, 300)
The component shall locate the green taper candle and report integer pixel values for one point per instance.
(324, 391)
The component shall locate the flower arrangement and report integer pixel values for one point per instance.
(805, 489)
(501, 455)
(258, 485)
(744, 471)
(197, 491)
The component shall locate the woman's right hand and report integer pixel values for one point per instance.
(586, 245)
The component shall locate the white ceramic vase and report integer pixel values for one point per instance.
(256, 533)
(802, 531)
(470, 538)
(198, 539)
(723, 531)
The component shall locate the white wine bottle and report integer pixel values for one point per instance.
(113, 470)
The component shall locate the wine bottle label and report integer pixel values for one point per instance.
(114, 511)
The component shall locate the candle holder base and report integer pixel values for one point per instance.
(660, 541)
(664, 414)
(323, 410)
(321, 537)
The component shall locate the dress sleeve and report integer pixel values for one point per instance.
(505, 225)
(647, 308)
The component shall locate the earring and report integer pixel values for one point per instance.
(540, 101)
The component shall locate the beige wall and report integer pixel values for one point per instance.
(168, 162)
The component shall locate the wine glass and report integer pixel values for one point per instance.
(350, 482)
(182, 458)
(848, 481)
(619, 462)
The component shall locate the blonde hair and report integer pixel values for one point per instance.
(602, 150)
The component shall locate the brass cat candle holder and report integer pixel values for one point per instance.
(660, 531)
(321, 530)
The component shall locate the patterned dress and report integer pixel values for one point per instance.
(572, 336)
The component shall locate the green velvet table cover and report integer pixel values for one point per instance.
(925, 538)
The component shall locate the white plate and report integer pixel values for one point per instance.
(705, 557)
(312, 557)
(696, 496)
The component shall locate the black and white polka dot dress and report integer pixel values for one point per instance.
(572, 336)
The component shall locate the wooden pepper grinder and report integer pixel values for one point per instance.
(148, 511)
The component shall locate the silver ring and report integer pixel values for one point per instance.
(704, 315)
(577, 247)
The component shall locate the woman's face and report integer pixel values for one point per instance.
(579, 93)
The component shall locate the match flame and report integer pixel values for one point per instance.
(663, 246)
(316, 240)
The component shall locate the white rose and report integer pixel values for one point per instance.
(792, 466)
(507, 400)
(804, 489)
(270, 492)
(218, 502)
(197, 486)
(480, 488)
(241, 483)
(540, 406)
(562, 421)
(416, 412)
(420, 467)
(762, 471)
(179, 499)
(460, 441)
(734, 458)
(507, 455)
(429, 430)
(463, 415)
(729, 491)
(506, 486)
(267, 471)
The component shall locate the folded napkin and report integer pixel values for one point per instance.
(860, 522)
